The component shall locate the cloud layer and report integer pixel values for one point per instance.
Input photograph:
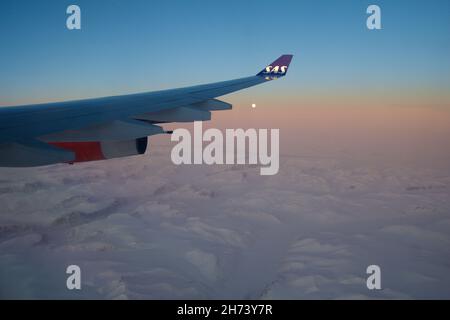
(142, 227)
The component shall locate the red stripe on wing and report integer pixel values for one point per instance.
(84, 151)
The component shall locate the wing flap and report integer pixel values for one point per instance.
(111, 131)
(212, 105)
(32, 153)
(181, 114)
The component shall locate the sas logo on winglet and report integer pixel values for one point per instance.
(275, 70)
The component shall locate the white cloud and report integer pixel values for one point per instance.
(141, 227)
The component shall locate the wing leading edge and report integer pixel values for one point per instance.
(36, 132)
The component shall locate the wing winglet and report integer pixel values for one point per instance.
(278, 68)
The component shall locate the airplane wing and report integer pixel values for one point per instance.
(109, 127)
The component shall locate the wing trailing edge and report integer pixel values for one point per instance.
(111, 131)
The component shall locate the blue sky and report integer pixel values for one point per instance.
(130, 46)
